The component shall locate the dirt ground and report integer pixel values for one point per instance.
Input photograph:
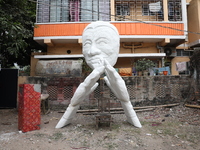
(175, 128)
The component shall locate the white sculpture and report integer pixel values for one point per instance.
(100, 49)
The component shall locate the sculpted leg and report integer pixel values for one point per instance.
(83, 90)
(67, 116)
(130, 114)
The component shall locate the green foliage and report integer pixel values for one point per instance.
(17, 19)
(85, 68)
(56, 136)
(143, 64)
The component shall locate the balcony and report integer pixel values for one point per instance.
(136, 20)
(49, 11)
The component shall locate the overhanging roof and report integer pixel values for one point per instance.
(174, 40)
(153, 55)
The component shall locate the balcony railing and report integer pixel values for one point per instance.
(49, 11)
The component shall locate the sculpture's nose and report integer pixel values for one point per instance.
(94, 50)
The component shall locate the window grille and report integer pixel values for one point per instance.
(53, 92)
(72, 10)
(160, 90)
(175, 11)
(131, 10)
(175, 90)
(94, 10)
(122, 9)
(146, 11)
(68, 92)
(42, 11)
(181, 52)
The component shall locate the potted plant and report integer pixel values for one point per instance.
(143, 65)
(156, 71)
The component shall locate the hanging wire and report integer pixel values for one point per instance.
(122, 17)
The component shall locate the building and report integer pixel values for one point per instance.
(153, 29)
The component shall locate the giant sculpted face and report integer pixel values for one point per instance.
(100, 42)
(100, 49)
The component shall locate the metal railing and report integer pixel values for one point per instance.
(100, 10)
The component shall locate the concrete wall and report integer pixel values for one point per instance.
(193, 20)
(143, 91)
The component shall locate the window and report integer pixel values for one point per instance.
(122, 9)
(146, 11)
(152, 9)
(174, 9)
(187, 69)
(93, 10)
(181, 52)
(57, 9)
(72, 10)
(42, 11)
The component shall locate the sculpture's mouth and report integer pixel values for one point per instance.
(97, 60)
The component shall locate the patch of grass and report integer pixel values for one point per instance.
(85, 143)
(111, 135)
(132, 130)
(167, 131)
(166, 128)
(115, 126)
(137, 131)
(39, 134)
(190, 136)
(143, 123)
(172, 124)
(110, 146)
(56, 136)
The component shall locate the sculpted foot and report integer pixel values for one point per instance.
(130, 114)
(68, 116)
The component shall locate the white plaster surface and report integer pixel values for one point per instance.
(100, 49)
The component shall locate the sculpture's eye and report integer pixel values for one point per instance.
(102, 42)
(87, 43)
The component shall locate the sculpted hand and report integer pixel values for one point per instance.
(115, 83)
(88, 86)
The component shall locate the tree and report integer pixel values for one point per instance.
(17, 19)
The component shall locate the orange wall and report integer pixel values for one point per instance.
(76, 29)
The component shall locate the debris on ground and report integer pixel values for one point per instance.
(176, 127)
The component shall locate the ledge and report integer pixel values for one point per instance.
(155, 55)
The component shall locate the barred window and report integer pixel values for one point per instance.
(72, 10)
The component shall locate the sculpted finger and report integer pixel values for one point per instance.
(107, 81)
(110, 71)
(94, 76)
(92, 89)
(100, 69)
